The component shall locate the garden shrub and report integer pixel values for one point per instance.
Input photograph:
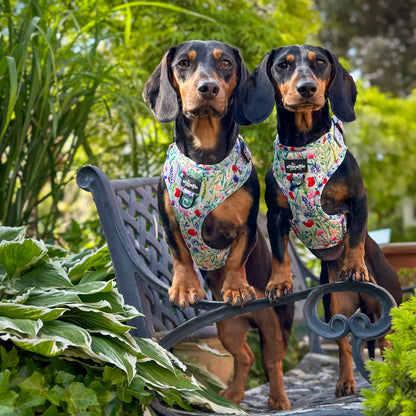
(393, 381)
(65, 346)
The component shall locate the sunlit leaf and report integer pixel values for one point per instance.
(12, 233)
(42, 275)
(18, 256)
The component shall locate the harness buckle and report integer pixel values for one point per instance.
(186, 200)
(245, 152)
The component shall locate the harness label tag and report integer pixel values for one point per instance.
(191, 184)
(296, 166)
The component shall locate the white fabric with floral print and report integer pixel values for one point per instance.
(195, 190)
(301, 173)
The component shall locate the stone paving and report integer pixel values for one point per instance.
(310, 388)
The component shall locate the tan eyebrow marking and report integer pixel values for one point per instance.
(290, 58)
(192, 55)
(217, 53)
(311, 56)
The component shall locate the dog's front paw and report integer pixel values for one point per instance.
(279, 403)
(357, 273)
(275, 289)
(237, 296)
(345, 387)
(233, 394)
(183, 296)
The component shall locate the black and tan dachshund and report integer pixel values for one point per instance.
(315, 186)
(208, 200)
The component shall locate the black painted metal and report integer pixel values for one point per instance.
(359, 325)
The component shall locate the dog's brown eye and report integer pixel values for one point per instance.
(320, 62)
(225, 63)
(282, 65)
(183, 63)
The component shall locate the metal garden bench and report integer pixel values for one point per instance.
(129, 216)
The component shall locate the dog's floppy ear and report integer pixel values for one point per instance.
(342, 91)
(242, 74)
(256, 99)
(159, 93)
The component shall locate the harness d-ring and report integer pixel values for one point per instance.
(297, 184)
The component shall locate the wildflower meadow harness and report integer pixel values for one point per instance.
(195, 190)
(301, 173)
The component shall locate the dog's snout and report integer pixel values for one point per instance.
(306, 88)
(208, 89)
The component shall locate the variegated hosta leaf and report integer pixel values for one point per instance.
(213, 402)
(42, 275)
(163, 378)
(94, 320)
(114, 298)
(52, 298)
(12, 233)
(153, 351)
(16, 310)
(73, 335)
(98, 260)
(48, 347)
(18, 256)
(26, 327)
(93, 287)
(110, 351)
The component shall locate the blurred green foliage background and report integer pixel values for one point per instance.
(72, 74)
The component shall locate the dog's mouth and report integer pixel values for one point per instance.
(205, 110)
(303, 106)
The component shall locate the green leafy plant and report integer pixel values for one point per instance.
(65, 345)
(393, 381)
(407, 274)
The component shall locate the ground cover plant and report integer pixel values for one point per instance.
(393, 381)
(65, 346)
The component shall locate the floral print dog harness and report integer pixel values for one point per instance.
(301, 173)
(195, 190)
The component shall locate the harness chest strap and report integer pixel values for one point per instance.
(302, 173)
(195, 190)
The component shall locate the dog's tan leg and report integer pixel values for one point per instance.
(345, 303)
(233, 214)
(273, 351)
(280, 281)
(354, 267)
(346, 383)
(185, 288)
(235, 288)
(233, 333)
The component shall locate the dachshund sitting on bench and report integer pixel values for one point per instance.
(315, 186)
(208, 200)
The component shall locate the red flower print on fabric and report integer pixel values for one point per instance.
(311, 181)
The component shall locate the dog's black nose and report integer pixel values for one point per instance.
(306, 88)
(208, 89)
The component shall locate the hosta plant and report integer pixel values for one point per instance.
(65, 346)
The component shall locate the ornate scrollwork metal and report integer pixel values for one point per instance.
(358, 324)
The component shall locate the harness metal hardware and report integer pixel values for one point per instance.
(187, 201)
(296, 167)
(294, 181)
(244, 151)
